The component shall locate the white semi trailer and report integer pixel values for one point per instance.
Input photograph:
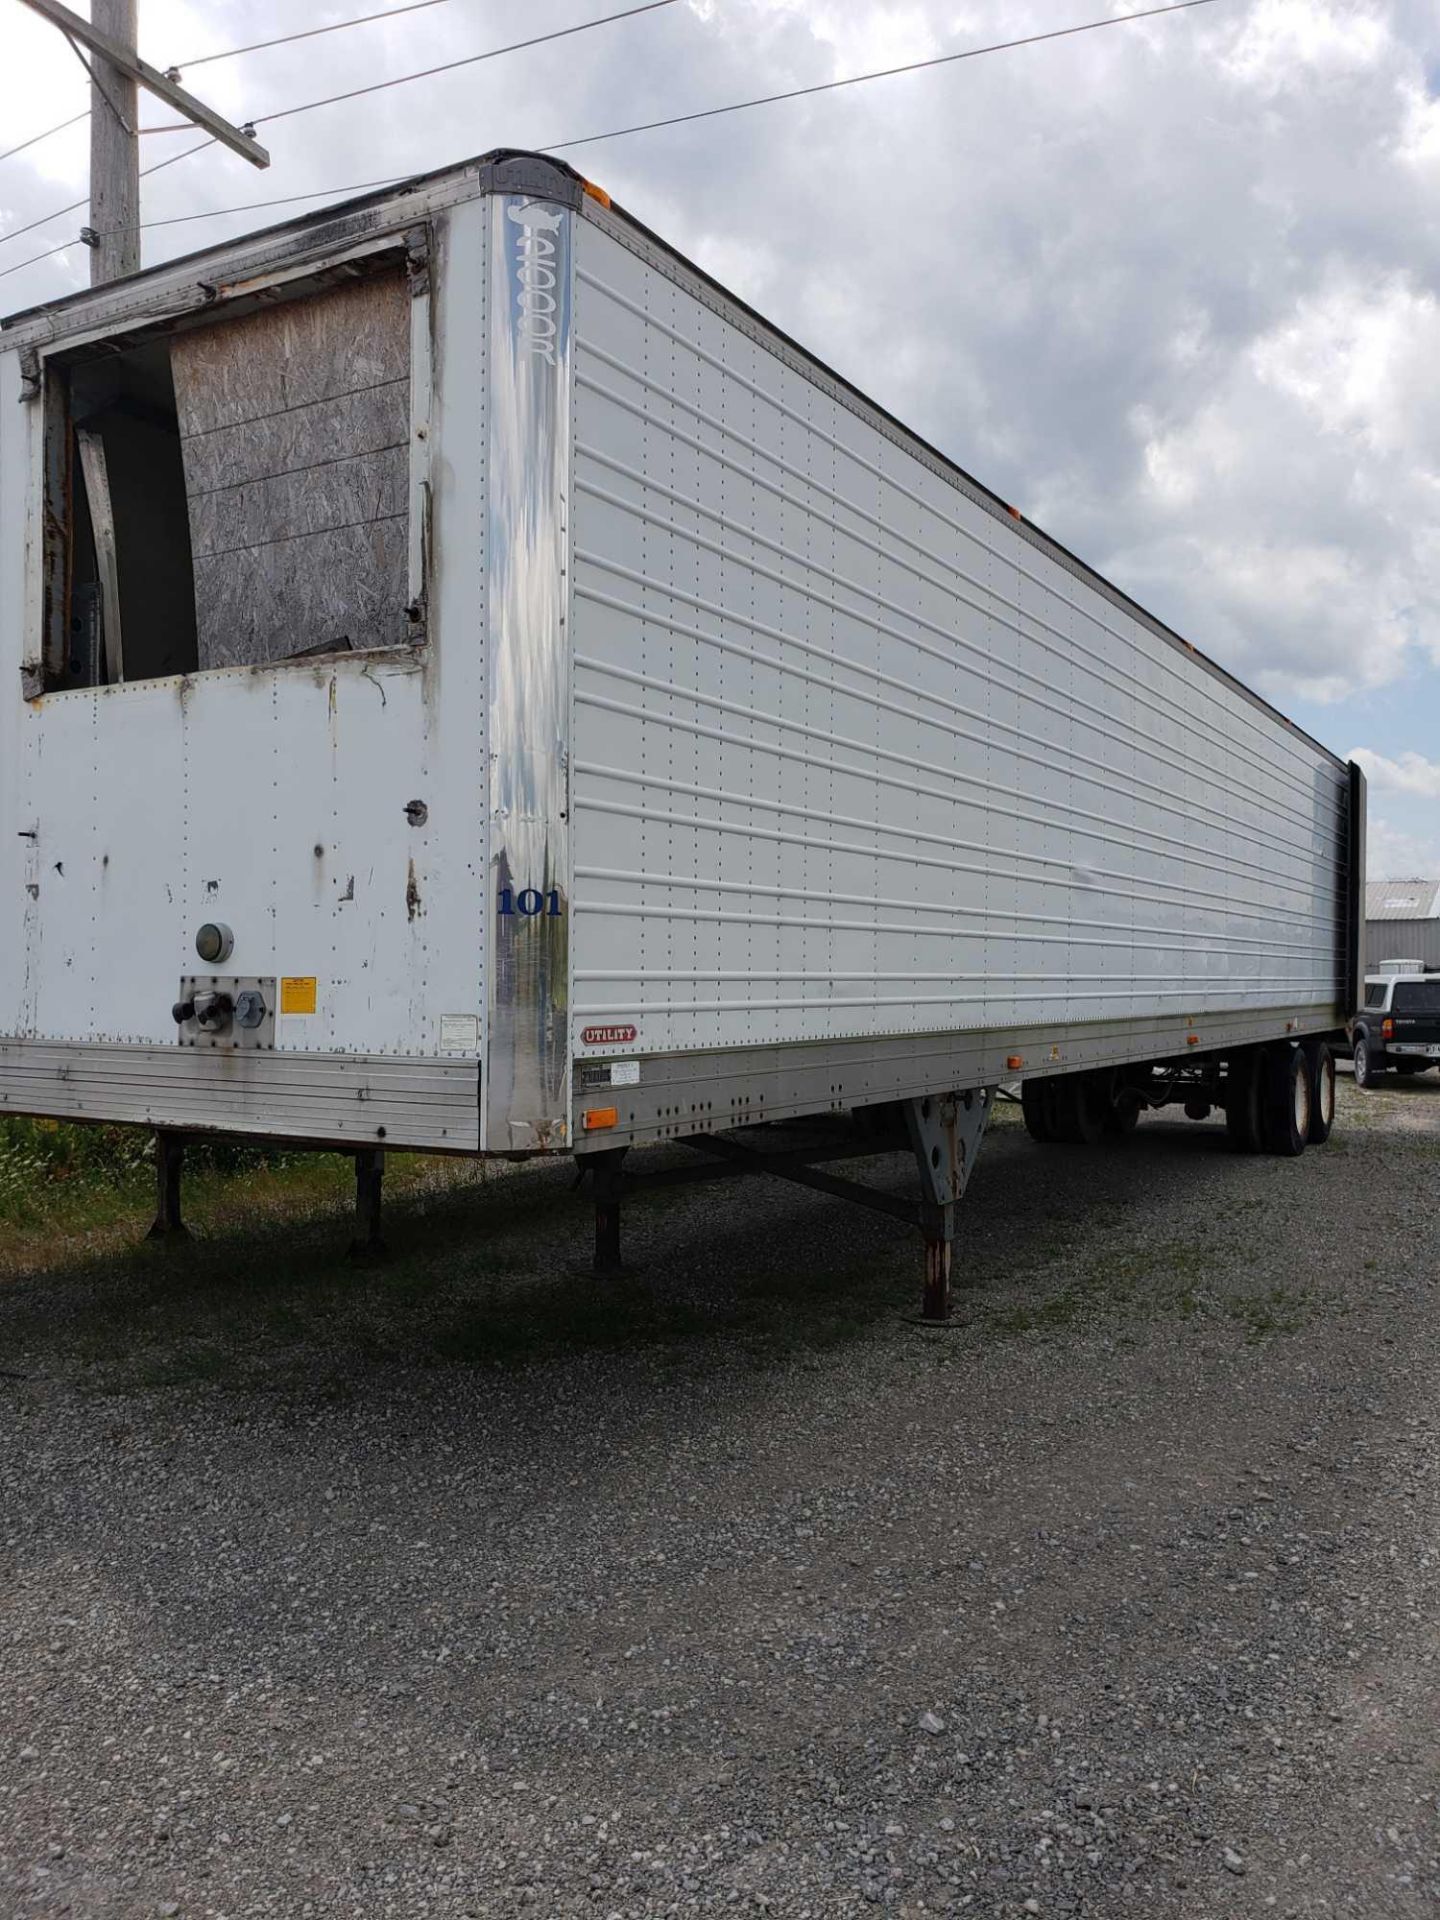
(476, 686)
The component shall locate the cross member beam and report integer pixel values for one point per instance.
(129, 62)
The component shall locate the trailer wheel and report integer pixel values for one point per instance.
(1366, 1073)
(1080, 1101)
(1038, 1108)
(1285, 1102)
(1242, 1099)
(1322, 1092)
(1123, 1106)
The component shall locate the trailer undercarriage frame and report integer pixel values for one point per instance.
(943, 1135)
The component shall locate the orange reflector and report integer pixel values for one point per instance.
(1192, 1039)
(596, 1117)
(1014, 1061)
(596, 193)
(1014, 513)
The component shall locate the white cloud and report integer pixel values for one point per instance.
(1397, 853)
(1287, 44)
(1173, 287)
(1408, 773)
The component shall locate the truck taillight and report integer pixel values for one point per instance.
(1387, 1028)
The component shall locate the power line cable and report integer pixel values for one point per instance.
(379, 86)
(470, 60)
(231, 53)
(422, 73)
(62, 126)
(36, 138)
(35, 258)
(75, 205)
(881, 73)
(617, 133)
(213, 213)
(308, 33)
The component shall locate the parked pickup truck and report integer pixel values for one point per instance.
(1397, 1029)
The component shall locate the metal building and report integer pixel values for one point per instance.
(1402, 921)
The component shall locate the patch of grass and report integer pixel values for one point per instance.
(1278, 1310)
(55, 1174)
(1151, 1282)
(486, 1270)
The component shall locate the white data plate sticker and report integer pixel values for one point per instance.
(624, 1073)
(459, 1032)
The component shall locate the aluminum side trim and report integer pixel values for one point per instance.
(344, 1099)
(704, 1091)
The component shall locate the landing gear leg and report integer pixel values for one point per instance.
(368, 1245)
(169, 1165)
(945, 1134)
(609, 1186)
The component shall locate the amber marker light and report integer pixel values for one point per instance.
(594, 1119)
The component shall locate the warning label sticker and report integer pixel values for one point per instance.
(459, 1032)
(297, 993)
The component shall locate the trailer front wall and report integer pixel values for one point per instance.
(330, 811)
(852, 756)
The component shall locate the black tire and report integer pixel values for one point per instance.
(1079, 1109)
(1322, 1092)
(1367, 1074)
(1037, 1107)
(1242, 1099)
(1285, 1101)
(1122, 1113)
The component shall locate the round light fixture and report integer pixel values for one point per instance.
(214, 942)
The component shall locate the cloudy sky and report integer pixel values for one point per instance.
(1170, 287)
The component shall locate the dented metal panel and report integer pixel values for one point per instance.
(295, 428)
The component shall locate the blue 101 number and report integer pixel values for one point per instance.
(530, 902)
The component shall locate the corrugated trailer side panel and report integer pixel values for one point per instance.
(855, 756)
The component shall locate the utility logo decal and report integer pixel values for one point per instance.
(607, 1036)
(535, 274)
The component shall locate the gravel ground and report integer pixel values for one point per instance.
(459, 1589)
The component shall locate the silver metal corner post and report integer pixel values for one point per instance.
(527, 1078)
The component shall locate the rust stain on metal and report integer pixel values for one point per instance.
(412, 892)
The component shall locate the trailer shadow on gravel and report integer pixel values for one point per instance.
(488, 1272)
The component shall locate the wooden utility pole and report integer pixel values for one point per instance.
(116, 74)
(114, 150)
